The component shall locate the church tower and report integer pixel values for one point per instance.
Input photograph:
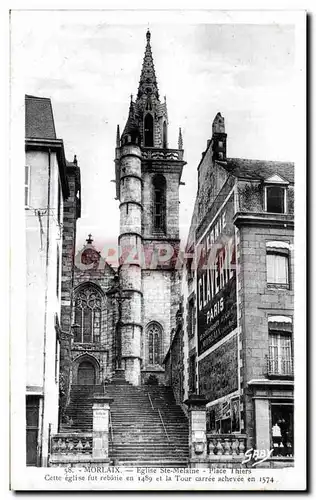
(148, 175)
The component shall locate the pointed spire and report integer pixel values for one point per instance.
(148, 82)
(131, 128)
(180, 140)
(118, 135)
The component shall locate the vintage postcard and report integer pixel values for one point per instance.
(158, 198)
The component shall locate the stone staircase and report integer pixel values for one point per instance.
(148, 427)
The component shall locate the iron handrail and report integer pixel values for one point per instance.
(150, 400)
(163, 424)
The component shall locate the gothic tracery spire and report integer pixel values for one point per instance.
(148, 82)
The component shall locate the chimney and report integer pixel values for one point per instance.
(219, 138)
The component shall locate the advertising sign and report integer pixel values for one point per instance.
(216, 280)
(218, 371)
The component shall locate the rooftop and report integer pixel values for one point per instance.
(39, 119)
(258, 169)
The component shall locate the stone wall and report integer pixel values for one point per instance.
(159, 295)
(256, 302)
(70, 215)
(174, 366)
(172, 203)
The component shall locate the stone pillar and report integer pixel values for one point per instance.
(100, 432)
(197, 430)
(262, 416)
(130, 243)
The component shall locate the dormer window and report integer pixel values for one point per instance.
(276, 199)
(275, 195)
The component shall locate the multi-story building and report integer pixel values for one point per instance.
(46, 188)
(236, 336)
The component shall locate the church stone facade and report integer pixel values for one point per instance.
(118, 322)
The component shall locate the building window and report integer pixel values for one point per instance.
(159, 201)
(32, 426)
(58, 202)
(164, 133)
(191, 319)
(27, 186)
(87, 315)
(189, 262)
(275, 199)
(282, 423)
(280, 354)
(56, 358)
(280, 359)
(278, 263)
(149, 130)
(192, 373)
(58, 271)
(154, 337)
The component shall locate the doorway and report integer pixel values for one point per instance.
(86, 373)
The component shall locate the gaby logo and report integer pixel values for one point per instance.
(258, 456)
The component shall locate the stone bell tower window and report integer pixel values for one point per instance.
(154, 334)
(87, 315)
(164, 135)
(159, 199)
(149, 130)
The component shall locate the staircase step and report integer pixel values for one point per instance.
(138, 434)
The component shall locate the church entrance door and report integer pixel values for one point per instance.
(86, 373)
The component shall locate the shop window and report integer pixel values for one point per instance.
(278, 264)
(282, 430)
(32, 427)
(275, 199)
(87, 315)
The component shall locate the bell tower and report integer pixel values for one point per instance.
(148, 175)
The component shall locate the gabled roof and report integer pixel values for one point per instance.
(39, 119)
(260, 170)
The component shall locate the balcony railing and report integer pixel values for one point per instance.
(70, 449)
(224, 446)
(280, 366)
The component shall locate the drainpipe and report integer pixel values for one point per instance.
(46, 301)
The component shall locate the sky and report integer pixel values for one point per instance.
(89, 63)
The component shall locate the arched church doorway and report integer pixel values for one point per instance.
(86, 373)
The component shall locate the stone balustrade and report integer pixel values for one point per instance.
(162, 154)
(225, 446)
(71, 444)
